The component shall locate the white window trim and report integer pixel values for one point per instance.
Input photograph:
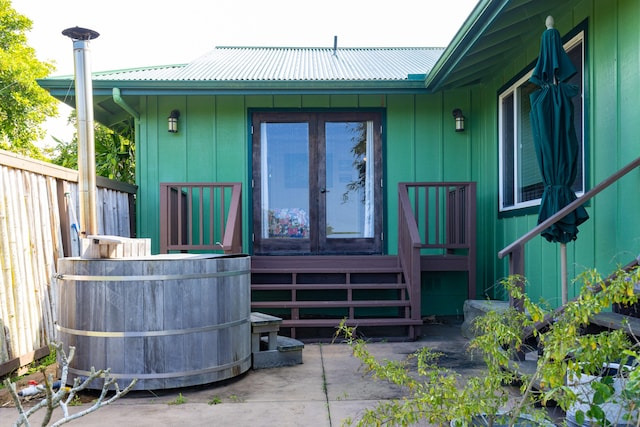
(513, 89)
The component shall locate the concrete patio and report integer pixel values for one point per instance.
(328, 388)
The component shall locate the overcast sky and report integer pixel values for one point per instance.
(135, 33)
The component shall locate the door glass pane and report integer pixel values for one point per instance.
(349, 182)
(285, 180)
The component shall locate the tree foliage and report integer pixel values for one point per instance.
(570, 366)
(115, 157)
(24, 105)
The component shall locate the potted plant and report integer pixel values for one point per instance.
(568, 364)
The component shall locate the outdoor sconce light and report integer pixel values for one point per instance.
(457, 115)
(173, 121)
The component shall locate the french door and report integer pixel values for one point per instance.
(317, 181)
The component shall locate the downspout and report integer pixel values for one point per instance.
(117, 98)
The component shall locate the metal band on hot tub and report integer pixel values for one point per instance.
(84, 278)
(160, 375)
(117, 334)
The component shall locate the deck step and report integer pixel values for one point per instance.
(334, 323)
(270, 350)
(312, 294)
(283, 344)
(612, 320)
(325, 263)
(288, 352)
(330, 304)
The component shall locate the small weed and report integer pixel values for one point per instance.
(36, 366)
(41, 364)
(178, 400)
(235, 398)
(215, 400)
(75, 401)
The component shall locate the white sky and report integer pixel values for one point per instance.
(136, 33)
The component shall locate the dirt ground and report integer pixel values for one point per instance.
(7, 402)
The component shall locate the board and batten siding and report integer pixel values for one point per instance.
(611, 237)
(214, 140)
(420, 145)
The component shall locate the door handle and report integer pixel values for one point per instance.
(323, 190)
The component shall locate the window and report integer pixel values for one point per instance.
(520, 180)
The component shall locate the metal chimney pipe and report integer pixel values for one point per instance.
(86, 140)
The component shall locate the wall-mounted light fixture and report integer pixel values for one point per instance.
(459, 118)
(173, 121)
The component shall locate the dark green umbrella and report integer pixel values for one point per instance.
(554, 137)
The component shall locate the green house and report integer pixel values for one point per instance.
(341, 157)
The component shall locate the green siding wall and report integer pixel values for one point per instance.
(214, 139)
(612, 236)
(421, 145)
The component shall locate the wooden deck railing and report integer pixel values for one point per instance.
(201, 217)
(436, 232)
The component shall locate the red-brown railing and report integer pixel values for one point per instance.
(201, 217)
(436, 232)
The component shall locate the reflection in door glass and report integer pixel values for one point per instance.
(349, 182)
(285, 180)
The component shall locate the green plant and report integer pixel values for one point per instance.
(433, 395)
(566, 352)
(75, 401)
(24, 105)
(235, 398)
(180, 400)
(215, 400)
(114, 152)
(33, 367)
(40, 364)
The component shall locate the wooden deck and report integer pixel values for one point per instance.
(436, 232)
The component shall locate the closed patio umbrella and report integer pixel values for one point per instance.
(555, 141)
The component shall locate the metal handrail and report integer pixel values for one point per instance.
(518, 246)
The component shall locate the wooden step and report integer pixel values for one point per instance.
(367, 290)
(326, 263)
(288, 352)
(332, 323)
(330, 304)
(611, 320)
(283, 344)
(329, 287)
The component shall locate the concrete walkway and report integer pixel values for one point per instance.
(328, 388)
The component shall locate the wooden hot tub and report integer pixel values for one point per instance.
(168, 320)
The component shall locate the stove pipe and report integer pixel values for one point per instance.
(86, 142)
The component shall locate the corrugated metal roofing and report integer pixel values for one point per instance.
(291, 64)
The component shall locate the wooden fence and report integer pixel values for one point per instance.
(38, 225)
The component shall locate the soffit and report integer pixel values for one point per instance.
(496, 31)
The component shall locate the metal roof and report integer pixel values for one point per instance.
(243, 64)
(259, 70)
